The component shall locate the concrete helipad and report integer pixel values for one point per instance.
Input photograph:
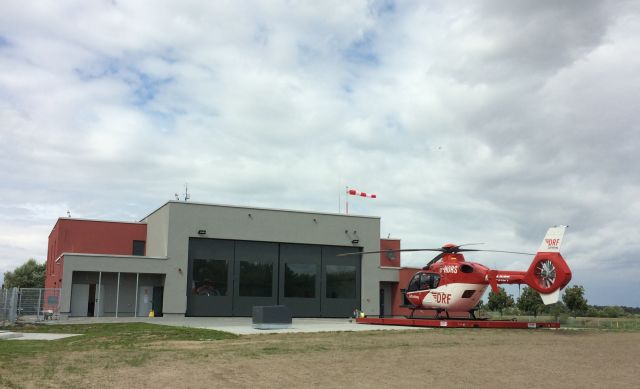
(5, 335)
(240, 325)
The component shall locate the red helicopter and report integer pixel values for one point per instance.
(448, 283)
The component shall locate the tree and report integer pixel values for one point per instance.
(613, 311)
(530, 301)
(556, 310)
(574, 299)
(29, 275)
(499, 301)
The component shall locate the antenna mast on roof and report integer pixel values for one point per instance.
(186, 193)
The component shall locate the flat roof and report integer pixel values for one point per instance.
(75, 219)
(99, 220)
(257, 208)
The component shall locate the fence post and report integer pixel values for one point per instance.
(5, 311)
(38, 310)
(13, 300)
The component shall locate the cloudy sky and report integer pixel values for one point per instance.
(472, 121)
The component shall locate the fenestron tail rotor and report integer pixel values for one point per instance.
(545, 273)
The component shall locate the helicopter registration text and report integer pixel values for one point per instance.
(449, 269)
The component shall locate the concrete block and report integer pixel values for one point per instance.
(271, 317)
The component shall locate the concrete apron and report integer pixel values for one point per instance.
(241, 325)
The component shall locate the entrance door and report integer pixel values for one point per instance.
(300, 269)
(158, 294)
(386, 294)
(79, 299)
(340, 282)
(145, 300)
(210, 277)
(256, 269)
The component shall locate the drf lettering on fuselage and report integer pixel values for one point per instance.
(441, 298)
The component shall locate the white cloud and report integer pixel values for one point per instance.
(472, 122)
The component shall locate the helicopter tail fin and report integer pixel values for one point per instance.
(549, 272)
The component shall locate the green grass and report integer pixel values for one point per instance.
(67, 362)
(602, 323)
(128, 336)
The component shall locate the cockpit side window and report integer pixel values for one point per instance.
(414, 284)
(425, 281)
(429, 281)
(435, 280)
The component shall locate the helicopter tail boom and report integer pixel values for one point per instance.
(547, 274)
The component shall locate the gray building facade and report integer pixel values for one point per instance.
(217, 260)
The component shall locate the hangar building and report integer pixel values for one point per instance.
(194, 259)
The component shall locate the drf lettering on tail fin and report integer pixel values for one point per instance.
(552, 241)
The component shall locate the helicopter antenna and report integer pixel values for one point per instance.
(186, 193)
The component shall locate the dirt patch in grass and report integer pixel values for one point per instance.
(439, 357)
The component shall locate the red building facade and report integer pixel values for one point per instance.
(91, 237)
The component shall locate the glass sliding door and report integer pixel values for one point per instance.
(210, 277)
(340, 281)
(300, 279)
(256, 269)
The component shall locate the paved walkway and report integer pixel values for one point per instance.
(239, 325)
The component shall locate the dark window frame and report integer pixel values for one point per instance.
(136, 245)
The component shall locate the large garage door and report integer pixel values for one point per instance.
(300, 276)
(210, 277)
(229, 278)
(256, 271)
(340, 282)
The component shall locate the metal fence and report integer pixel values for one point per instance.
(29, 304)
(8, 305)
(36, 304)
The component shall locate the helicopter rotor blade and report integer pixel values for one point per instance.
(434, 260)
(497, 251)
(384, 251)
(454, 249)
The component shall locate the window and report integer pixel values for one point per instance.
(300, 280)
(429, 281)
(341, 282)
(138, 247)
(256, 279)
(414, 284)
(423, 281)
(209, 277)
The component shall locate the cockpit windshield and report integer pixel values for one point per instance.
(424, 281)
